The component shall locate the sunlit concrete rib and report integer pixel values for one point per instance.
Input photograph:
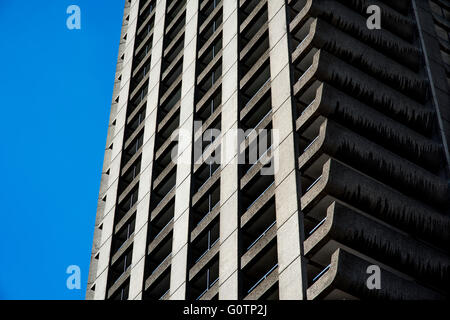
(334, 104)
(327, 68)
(347, 227)
(361, 55)
(359, 152)
(346, 278)
(377, 199)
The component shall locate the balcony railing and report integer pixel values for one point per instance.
(209, 178)
(207, 289)
(309, 105)
(263, 278)
(161, 263)
(260, 195)
(207, 250)
(318, 225)
(209, 212)
(164, 294)
(257, 161)
(304, 73)
(322, 272)
(165, 197)
(164, 228)
(256, 125)
(262, 235)
(314, 183)
(256, 93)
(312, 142)
(125, 241)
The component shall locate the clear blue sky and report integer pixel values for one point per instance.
(55, 93)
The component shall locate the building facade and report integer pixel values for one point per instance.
(350, 197)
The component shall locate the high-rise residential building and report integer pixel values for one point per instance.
(350, 197)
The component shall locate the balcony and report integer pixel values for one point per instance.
(119, 271)
(342, 278)
(396, 251)
(159, 288)
(206, 201)
(260, 274)
(355, 114)
(204, 279)
(377, 199)
(258, 226)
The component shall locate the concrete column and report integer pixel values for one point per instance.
(179, 268)
(106, 172)
(114, 153)
(142, 212)
(288, 215)
(229, 178)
